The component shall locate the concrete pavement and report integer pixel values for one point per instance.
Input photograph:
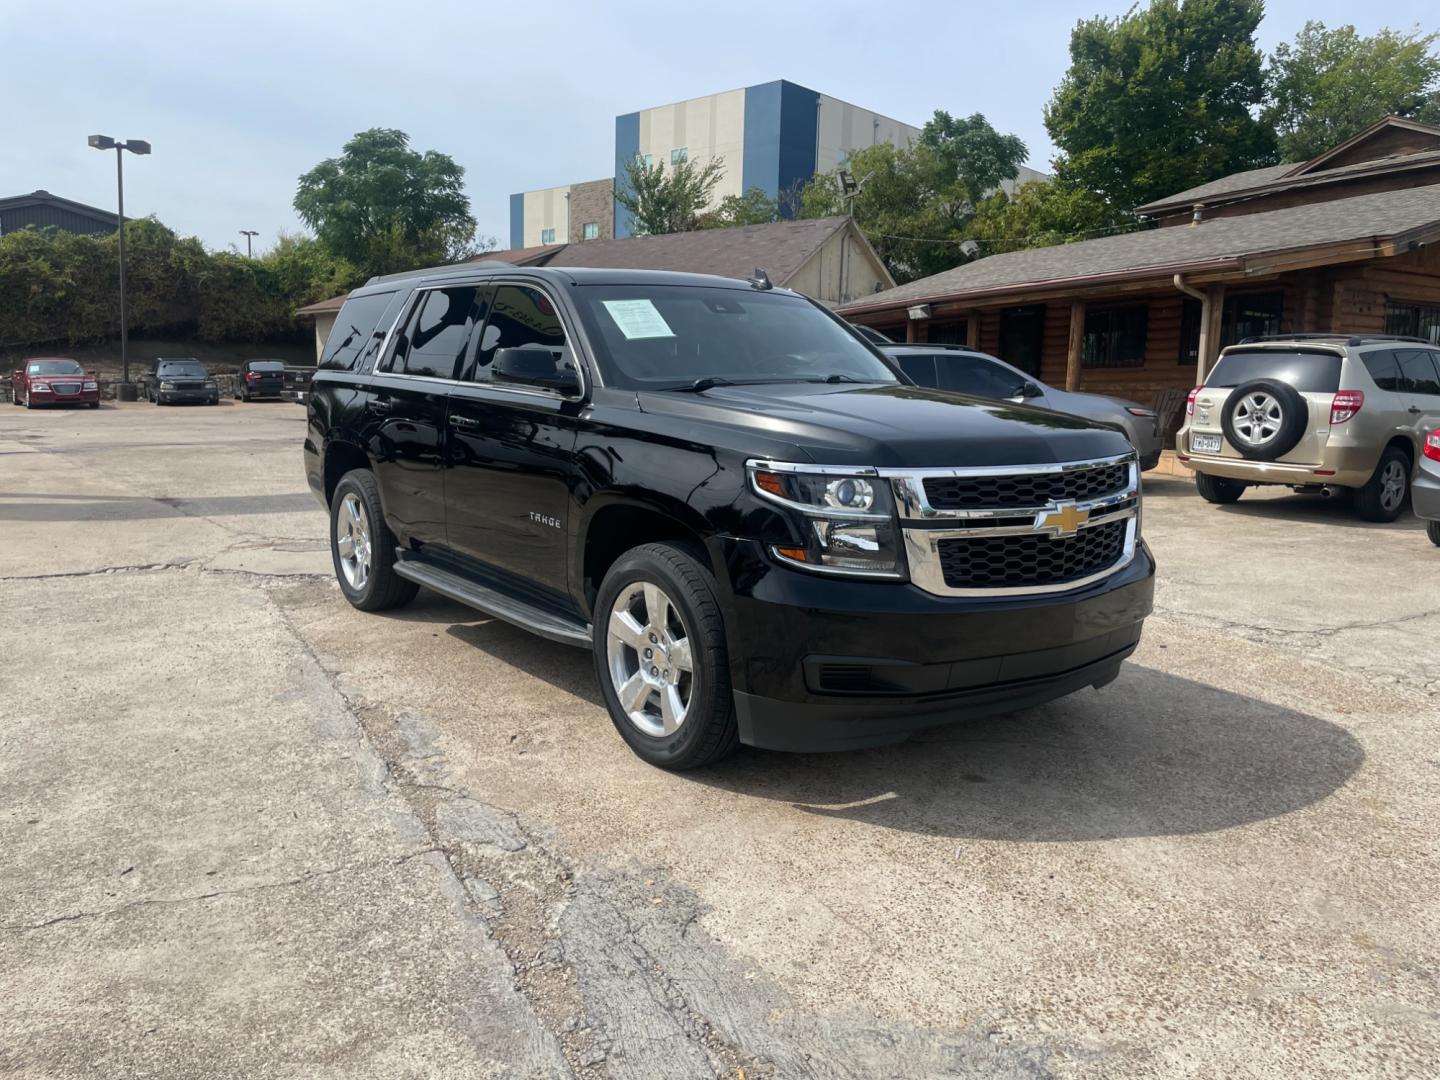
(246, 830)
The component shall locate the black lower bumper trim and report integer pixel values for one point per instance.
(813, 726)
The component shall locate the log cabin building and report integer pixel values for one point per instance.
(1346, 242)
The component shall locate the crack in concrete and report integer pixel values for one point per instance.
(172, 900)
(1218, 622)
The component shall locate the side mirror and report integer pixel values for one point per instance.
(533, 365)
(1029, 389)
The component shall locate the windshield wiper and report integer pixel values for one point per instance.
(839, 378)
(708, 382)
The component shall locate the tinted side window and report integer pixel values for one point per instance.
(983, 378)
(919, 368)
(1417, 369)
(435, 333)
(1384, 369)
(352, 330)
(519, 315)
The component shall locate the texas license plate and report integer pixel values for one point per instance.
(1204, 444)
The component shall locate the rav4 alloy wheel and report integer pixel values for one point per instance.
(1264, 419)
(661, 659)
(1384, 495)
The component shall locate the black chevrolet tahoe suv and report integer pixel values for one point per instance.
(763, 531)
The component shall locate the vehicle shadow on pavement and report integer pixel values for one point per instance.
(1151, 754)
(1313, 510)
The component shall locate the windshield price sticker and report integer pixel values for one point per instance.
(638, 319)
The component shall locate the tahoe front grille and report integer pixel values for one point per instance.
(1021, 561)
(1027, 490)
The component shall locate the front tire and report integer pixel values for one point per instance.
(661, 657)
(362, 547)
(1385, 494)
(1218, 489)
(1432, 530)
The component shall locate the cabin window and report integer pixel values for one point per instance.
(1115, 337)
(946, 333)
(1253, 315)
(1413, 320)
(1022, 337)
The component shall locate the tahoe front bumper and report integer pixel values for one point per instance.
(823, 663)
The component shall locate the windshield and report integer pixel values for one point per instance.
(52, 367)
(1309, 372)
(266, 365)
(657, 337)
(188, 368)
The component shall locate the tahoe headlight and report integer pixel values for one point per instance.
(849, 526)
(167, 386)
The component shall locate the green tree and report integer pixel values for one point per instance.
(916, 203)
(1161, 99)
(385, 207)
(1331, 84)
(667, 204)
(752, 208)
(1042, 213)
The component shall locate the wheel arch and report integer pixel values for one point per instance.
(613, 524)
(341, 457)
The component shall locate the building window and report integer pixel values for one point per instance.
(1022, 337)
(679, 155)
(1115, 337)
(1413, 320)
(590, 231)
(1255, 315)
(547, 236)
(946, 333)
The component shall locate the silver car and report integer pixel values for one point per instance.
(1425, 492)
(982, 375)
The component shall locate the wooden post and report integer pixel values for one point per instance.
(910, 331)
(1077, 341)
(1211, 310)
(972, 330)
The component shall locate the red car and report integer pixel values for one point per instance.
(53, 380)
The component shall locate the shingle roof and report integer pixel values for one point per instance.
(1239, 181)
(1279, 178)
(538, 255)
(780, 248)
(320, 307)
(1180, 248)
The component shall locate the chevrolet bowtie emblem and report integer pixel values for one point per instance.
(1064, 520)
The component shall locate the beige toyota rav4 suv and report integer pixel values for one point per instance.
(1316, 413)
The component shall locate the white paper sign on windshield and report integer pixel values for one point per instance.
(638, 319)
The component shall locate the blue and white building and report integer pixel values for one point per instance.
(772, 136)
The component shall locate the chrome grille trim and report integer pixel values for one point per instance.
(922, 537)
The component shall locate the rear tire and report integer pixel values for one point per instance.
(1385, 494)
(365, 567)
(1432, 530)
(686, 628)
(1218, 489)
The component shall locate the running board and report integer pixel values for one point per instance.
(537, 620)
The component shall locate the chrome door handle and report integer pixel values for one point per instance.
(463, 422)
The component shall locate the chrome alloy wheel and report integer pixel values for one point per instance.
(647, 649)
(1392, 485)
(352, 541)
(1257, 418)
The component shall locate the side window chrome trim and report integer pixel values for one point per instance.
(499, 282)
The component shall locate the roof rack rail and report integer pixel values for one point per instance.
(1348, 339)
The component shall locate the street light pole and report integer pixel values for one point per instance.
(135, 146)
(248, 233)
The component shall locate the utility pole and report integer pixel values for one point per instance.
(135, 146)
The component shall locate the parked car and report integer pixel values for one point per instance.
(176, 380)
(761, 530)
(260, 378)
(951, 367)
(53, 380)
(1427, 486)
(1315, 412)
(297, 384)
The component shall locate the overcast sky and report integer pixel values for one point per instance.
(240, 98)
